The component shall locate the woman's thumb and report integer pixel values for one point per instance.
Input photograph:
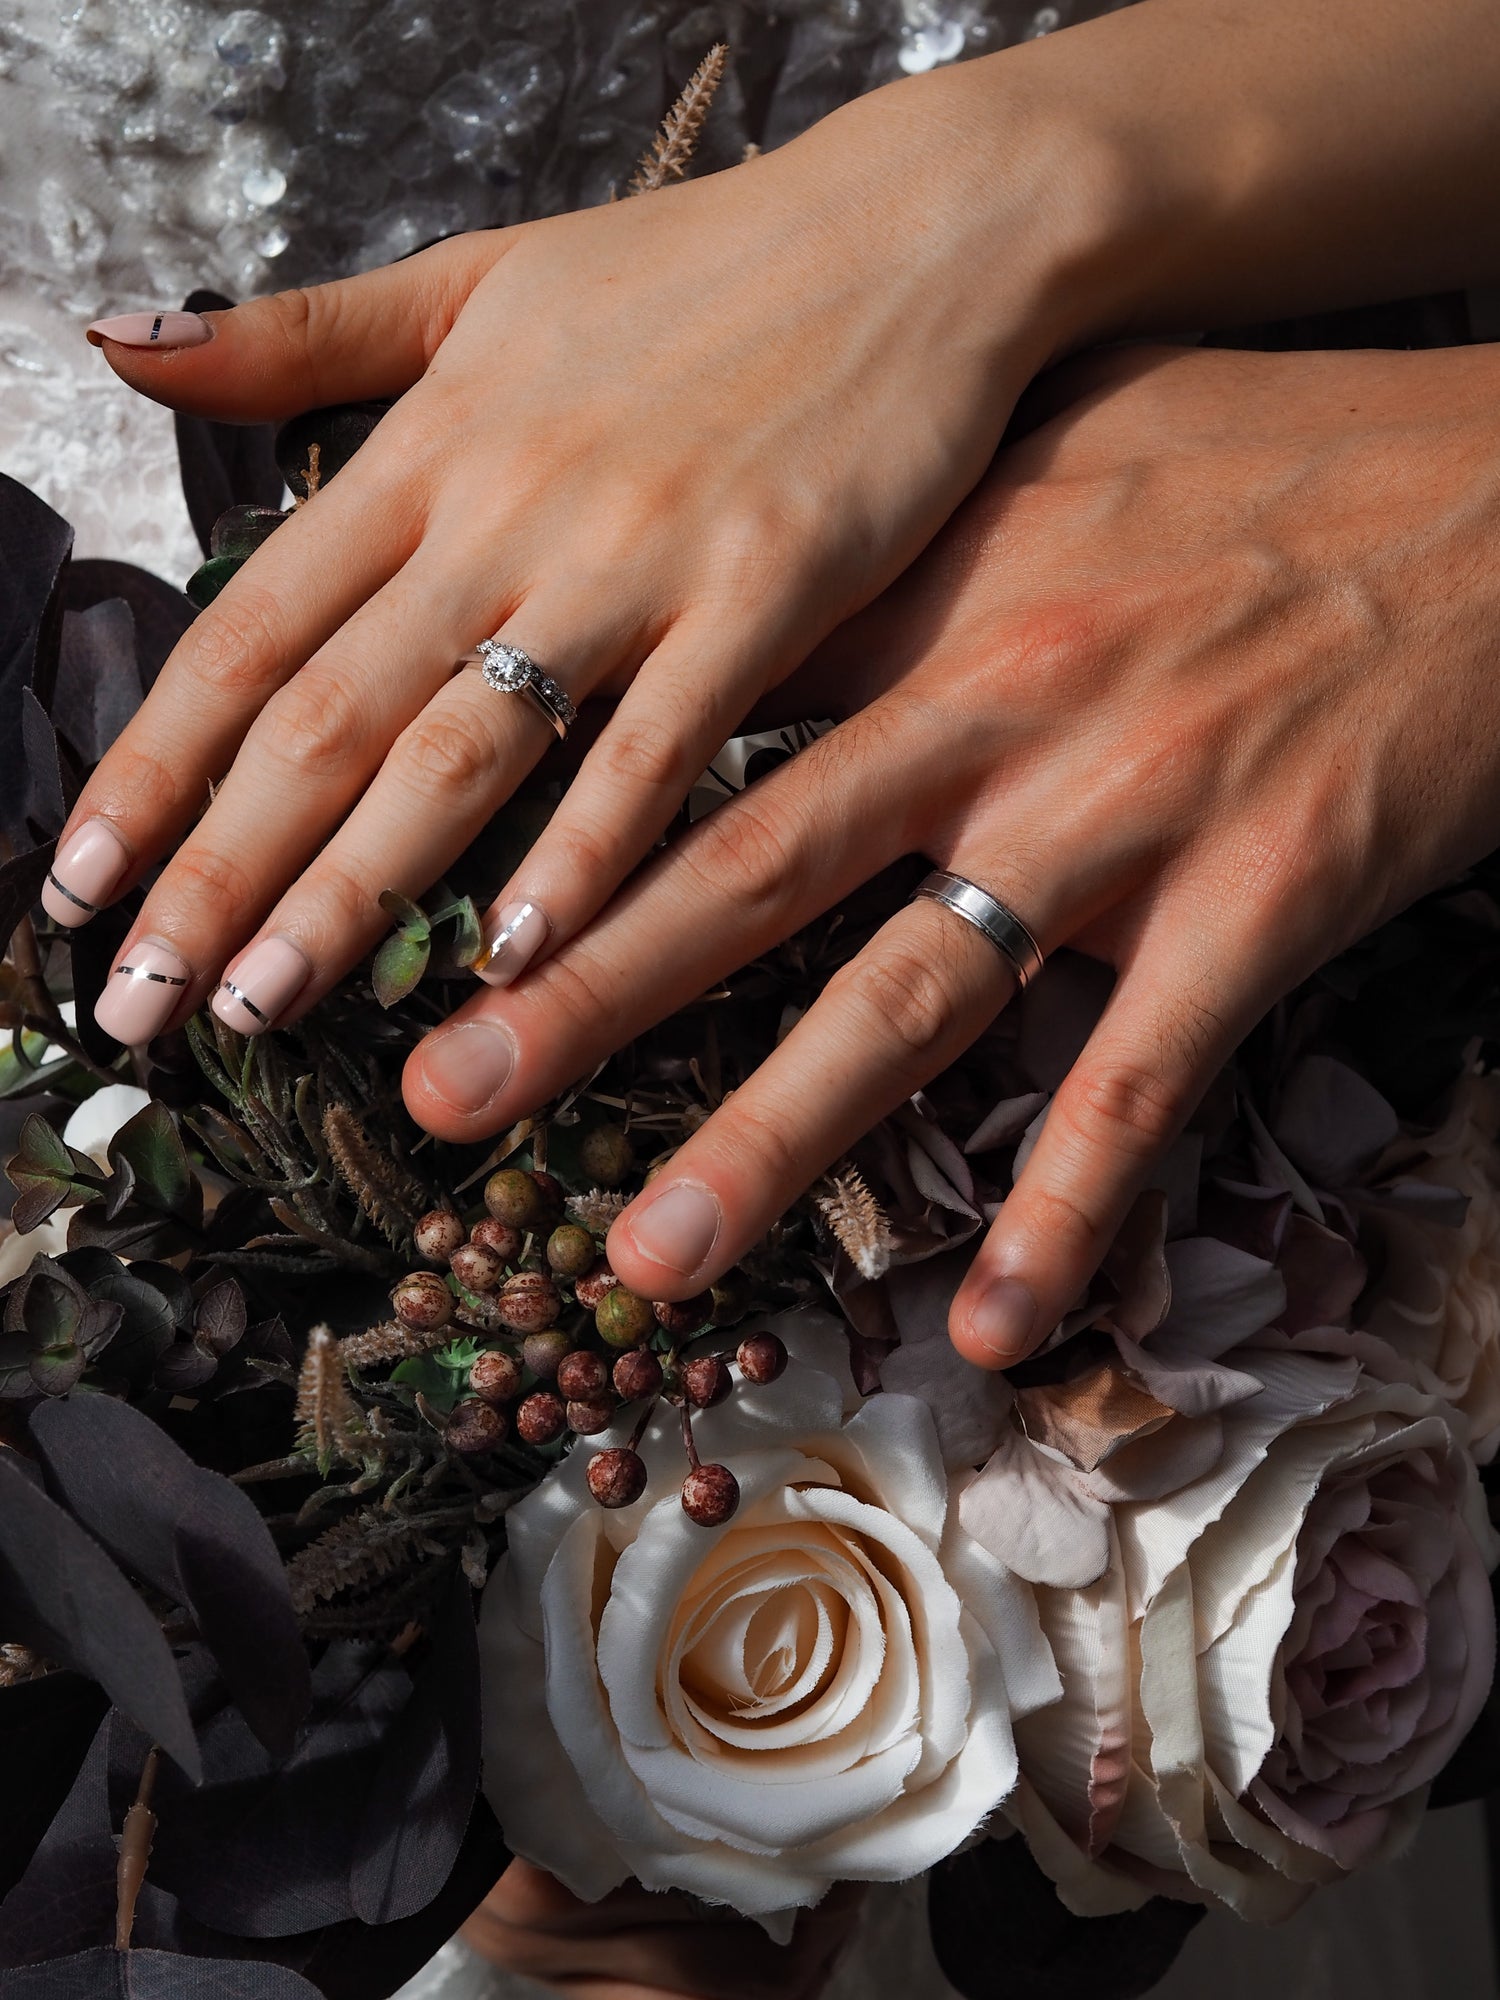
(372, 335)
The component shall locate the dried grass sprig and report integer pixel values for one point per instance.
(356, 1551)
(391, 1341)
(329, 1420)
(673, 147)
(596, 1210)
(391, 1197)
(857, 1220)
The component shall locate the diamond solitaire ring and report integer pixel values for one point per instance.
(508, 670)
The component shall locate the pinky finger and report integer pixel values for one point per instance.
(1170, 1026)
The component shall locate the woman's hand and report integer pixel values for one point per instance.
(1202, 680)
(667, 445)
(637, 1944)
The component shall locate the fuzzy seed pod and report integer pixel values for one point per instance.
(570, 1251)
(591, 1414)
(582, 1375)
(595, 1282)
(497, 1236)
(637, 1374)
(476, 1269)
(706, 1381)
(438, 1234)
(616, 1478)
(710, 1494)
(511, 1195)
(423, 1301)
(528, 1302)
(495, 1376)
(680, 1317)
(475, 1427)
(762, 1358)
(607, 1156)
(624, 1318)
(543, 1352)
(541, 1417)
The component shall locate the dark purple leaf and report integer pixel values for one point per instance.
(49, 787)
(429, 1772)
(194, 1536)
(221, 1317)
(161, 614)
(164, 1175)
(1000, 1933)
(65, 1899)
(265, 1847)
(46, 1727)
(98, 681)
(34, 545)
(106, 1974)
(223, 465)
(21, 880)
(61, 1595)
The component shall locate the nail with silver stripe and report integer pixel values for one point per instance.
(518, 933)
(261, 984)
(143, 993)
(86, 872)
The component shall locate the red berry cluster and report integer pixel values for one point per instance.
(520, 1271)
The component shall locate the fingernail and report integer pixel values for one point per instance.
(466, 1066)
(85, 874)
(163, 329)
(679, 1228)
(519, 934)
(1003, 1318)
(143, 992)
(260, 987)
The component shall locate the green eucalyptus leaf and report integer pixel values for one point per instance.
(413, 919)
(55, 1369)
(239, 531)
(51, 1308)
(41, 1150)
(39, 1200)
(152, 1147)
(209, 578)
(398, 968)
(468, 939)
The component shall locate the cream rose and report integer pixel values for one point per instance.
(1437, 1301)
(822, 1689)
(1315, 1636)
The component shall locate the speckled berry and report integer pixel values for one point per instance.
(439, 1234)
(512, 1196)
(680, 1317)
(476, 1269)
(582, 1374)
(541, 1417)
(616, 1478)
(570, 1251)
(606, 1155)
(710, 1494)
(706, 1381)
(637, 1375)
(497, 1236)
(496, 1376)
(422, 1301)
(762, 1358)
(624, 1318)
(554, 1197)
(528, 1302)
(595, 1282)
(542, 1352)
(475, 1427)
(587, 1415)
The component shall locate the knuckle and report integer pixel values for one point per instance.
(757, 1145)
(214, 881)
(315, 725)
(651, 755)
(236, 646)
(346, 908)
(1128, 1106)
(746, 853)
(442, 753)
(140, 779)
(908, 999)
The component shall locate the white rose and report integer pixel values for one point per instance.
(1315, 1636)
(822, 1689)
(1437, 1301)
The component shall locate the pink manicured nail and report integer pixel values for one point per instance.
(519, 933)
(260, 987)
(163, 329)
(143, 992)
(1003, 1319)
(85, 874)
(465, 1066)
(679, 1228)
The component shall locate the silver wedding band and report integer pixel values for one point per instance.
(986, 913)
(509, 670)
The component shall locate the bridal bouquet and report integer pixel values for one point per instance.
(358, 1528)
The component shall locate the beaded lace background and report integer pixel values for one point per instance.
(151, 146)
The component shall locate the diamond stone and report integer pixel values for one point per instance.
(506, 668)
